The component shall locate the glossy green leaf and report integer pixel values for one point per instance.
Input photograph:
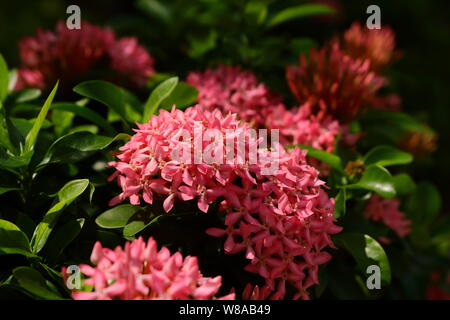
(333, 160)
(299, 11)
(424, 205)
(24, 95)
(340, 203)
(118, 99)
(256, 11)
(30, 140)
(12, 162)
(387, 156)
(65, 196)
(85, 113)
(366, 251)
(63, 237)
(182, 96)
(134, 227)
(5, 139)
(13, 240)
(117, 217)
(4, 79)
(378, 179)
(7, 189)
(161, 92)
(33, 282)
(403, 184)
(74, 146)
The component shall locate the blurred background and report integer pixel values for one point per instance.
(195, 33)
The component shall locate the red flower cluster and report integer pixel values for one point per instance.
(70, 54)
(141, 272)
(333, 82)
(375, 45)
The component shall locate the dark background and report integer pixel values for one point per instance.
(421, 76)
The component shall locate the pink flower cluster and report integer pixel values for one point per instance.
(141, 272)
(282, 221)
(230, 89)
(70, 54)
(386, 211)
(300, 126)
(334, 83)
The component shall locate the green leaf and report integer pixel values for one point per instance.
(156, 9)
(134, 227)
(33, 282)
(387, 156)
(4, 79)
(30, 140)
(366, 251)
(424, 205)
(117, 217)
(13, 240)
(182, 96)
(7, 189)
(74, 146)
(256, 11)
(24, 95)
(201, 44)
(161, 92)
(16, 161)
(340, 203)
(298, 12)
(85, 113)
(91, 128)
(65, 196)
(403, 184)
(378, 179)
(62, 121)
(63, 237)
(333, 160)
(5, 139)
(116, 98)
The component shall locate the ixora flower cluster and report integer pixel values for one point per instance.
(231, 89)
(343, 77)
(69, 55)
(282, 221)
(387, 212)
(140, 271)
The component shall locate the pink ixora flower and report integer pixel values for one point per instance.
(70, 55)
(140, 271)
(230, 89)
(334, 83)
(387, 212)
(282, 220)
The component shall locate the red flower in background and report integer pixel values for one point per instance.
(387, 212)
(333, 82)
(69, 55)
(375, 45)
